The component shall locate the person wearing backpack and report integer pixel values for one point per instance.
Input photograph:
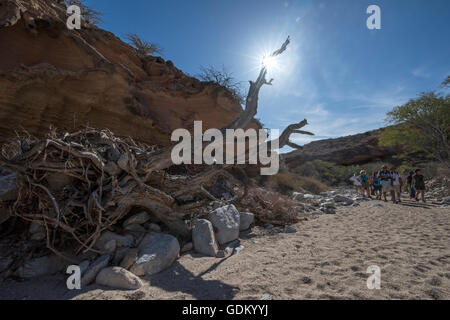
(386, 182)
(376, 185)
(419, 185)
(364, 179)
(410, 185)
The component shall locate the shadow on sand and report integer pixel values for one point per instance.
(179, 279)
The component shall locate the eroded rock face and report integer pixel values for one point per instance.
(50, 75)
(353, 149)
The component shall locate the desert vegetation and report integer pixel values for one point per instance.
(143, 47)
(422, 125)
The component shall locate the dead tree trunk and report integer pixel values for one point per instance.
(80, 184)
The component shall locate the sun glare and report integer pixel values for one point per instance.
(269, 62)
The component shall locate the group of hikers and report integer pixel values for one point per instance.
(386, 181)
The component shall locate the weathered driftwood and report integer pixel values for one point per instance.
(78, 185)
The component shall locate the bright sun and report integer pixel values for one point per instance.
(269, 62)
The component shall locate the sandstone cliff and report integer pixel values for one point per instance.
(50, 75)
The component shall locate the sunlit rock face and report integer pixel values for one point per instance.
(354, 149)
(50, 75)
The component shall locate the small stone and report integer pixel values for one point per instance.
(187, 247)
(289, 229)
(117, 277)
(91, 273)
(135, 228)
(266, 296)
(110, 246)
(153, 227)
(246, 220)
(140, 218)
(121, 241)
(340, 198)
(297, 196)
(374, 205)
(238, 249)
(329, 205)
(221, 254)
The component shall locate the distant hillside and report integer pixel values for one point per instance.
(354, 149)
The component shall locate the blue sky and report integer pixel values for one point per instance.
(337, 73)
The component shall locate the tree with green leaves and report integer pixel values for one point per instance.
(421, 125)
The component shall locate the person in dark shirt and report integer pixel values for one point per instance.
(419, 185)
(376, 185)
(410, 184)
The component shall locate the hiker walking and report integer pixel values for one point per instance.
(410, 185)
(397, 184)
(419, 185)
(364, 179)
(356, 182)
(376, 185)
(386, 183)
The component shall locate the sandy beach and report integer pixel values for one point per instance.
(327, 258)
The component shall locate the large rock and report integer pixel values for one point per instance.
(107, 236)
(246, 219)
(298, 196)
(119, 278)
(42, 266)
(157, 252)
(91, 273)
(225, 221)
(203, 238)
(341, 198)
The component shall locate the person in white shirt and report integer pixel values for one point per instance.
(356, 183)
(397, 184)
